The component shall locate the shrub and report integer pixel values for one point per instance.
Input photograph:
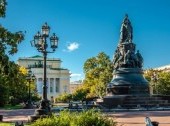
(85, 118)
(50, 121)
(92, 118)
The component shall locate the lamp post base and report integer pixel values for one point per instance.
(43, 111)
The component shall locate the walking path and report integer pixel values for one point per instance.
(136, 118)
(16, 115)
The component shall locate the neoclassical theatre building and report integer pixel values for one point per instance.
(58, 79)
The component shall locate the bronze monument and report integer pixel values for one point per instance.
(128, 88)
(127, 74)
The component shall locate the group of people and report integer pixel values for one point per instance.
(128, 59)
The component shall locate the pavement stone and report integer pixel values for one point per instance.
(136, 118)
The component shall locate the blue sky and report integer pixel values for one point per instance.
(87, 27)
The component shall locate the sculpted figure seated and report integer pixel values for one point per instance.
(139, 59)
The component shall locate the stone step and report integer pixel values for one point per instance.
(142, 98)
(145, 102)
(135, 101)
(144, 105)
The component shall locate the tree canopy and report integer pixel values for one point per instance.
(159, 81)
(12, 82)
(98, 73)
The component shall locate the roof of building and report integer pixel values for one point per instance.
(79, 82)
(38, 57)
(163, 67)
(58, 69)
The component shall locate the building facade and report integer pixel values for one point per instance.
(74, 85)
(58, 79)
(165, 68)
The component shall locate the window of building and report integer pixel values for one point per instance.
(51, 84)
(57, 83)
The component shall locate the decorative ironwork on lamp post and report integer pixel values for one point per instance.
(30, 78)
(40, 42)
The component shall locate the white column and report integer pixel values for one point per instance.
(54, 86)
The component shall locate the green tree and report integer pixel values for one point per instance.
(9, 73)
(164, 83)
(80, 93)
(159, 81)
(2, 8)
(98, 73)
(64, 97)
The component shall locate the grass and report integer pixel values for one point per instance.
(11, 124)
(6, 124)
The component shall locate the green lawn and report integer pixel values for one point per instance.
(10, 124)
(7, 124)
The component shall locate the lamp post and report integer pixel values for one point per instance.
(155, 80)
(40, 42)
(30, 78)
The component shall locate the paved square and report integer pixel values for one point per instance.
(136, 118)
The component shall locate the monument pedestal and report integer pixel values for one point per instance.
(128, 81)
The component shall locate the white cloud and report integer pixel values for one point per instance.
(76, 77)
(72, 46)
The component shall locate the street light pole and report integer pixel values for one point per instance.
(45, 78)
(40, 42)
(155, 81)
(30, 78)
(29, 91)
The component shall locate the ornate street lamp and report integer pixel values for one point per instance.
(155, 78)
(40, 42)
(30, 78)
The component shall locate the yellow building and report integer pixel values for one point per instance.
(58, 79)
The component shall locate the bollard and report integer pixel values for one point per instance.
(154, 123)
